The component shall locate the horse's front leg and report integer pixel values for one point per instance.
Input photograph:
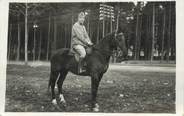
(95, 80)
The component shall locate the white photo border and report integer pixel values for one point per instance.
(4, 7)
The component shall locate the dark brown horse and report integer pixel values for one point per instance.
(97, 64)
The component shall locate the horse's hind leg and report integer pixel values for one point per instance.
(53, 78)
(61, 79)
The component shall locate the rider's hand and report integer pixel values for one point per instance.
(90, 43)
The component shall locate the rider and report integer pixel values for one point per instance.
(80, 39)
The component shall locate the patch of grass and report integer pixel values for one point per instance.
(119, 91)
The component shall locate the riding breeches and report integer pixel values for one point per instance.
(80, 50)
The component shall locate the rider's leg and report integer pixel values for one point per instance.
(82, 52)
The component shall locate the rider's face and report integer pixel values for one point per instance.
(81, 20)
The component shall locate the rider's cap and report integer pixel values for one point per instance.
(81, 15)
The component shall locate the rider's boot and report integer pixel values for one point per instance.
(81, 67)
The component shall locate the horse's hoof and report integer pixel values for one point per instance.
(63, 103)
(54, 102)
(96, 108)
(62, 100)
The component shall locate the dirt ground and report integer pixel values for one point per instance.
(123, 89)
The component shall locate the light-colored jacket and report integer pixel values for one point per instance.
(79, 35)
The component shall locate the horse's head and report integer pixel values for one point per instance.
(120, 41)
(114, 40)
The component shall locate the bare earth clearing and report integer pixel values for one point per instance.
(125, 89)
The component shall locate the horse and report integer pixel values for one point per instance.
(97, 63)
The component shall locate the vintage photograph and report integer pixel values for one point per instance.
(108, 57)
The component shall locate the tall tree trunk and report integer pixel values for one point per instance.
(18, 45)
(169, 35)
(34, 44)
(9, 41)
(117, 21)
(173, 37)
(146, 50)
(26, 35)
(117, 27)
(65, 29)
(111, 25)
(103, 27)
(72, 21)
(68, 36)
(98, 32)
(48, 39)
(136, 37)
(149, 38)
(153, 33)
(172, 40)
(40, 45)
(55, 34)
(14, 50)
(139, 38)
(163, 36)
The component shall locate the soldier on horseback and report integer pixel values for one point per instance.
(80, 40)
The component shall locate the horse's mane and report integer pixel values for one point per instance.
(108, 36)
(104, 40)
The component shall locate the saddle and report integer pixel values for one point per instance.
(74, 53)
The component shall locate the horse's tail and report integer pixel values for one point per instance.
(49, 84)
